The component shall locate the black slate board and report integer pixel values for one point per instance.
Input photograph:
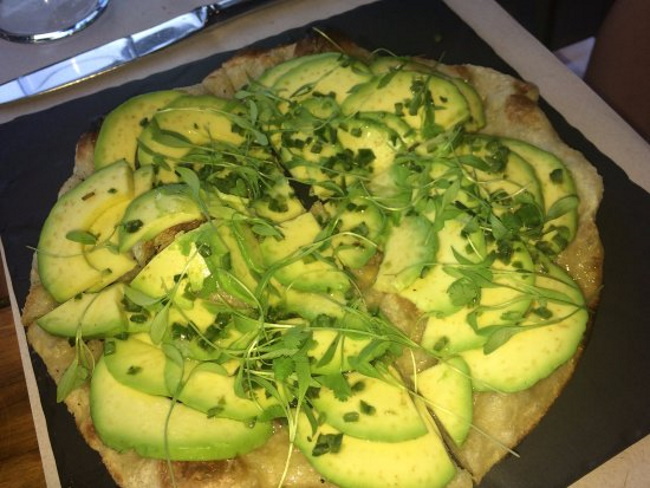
(606, 406)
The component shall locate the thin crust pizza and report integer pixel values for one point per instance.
(319, 267)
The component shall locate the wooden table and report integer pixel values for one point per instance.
(20, 460)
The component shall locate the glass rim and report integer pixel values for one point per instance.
(39, 37)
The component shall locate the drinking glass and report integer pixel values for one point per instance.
(33, 21)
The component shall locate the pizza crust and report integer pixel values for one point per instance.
(501, 420)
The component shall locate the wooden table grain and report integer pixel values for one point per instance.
(20, 460)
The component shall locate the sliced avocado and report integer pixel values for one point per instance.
(295, 259)
(310, 305)
(396, 124)
(202, 119)
(504, 301)
(557, 187)
(447, 390)
(387, 64)
(377, 410)
(508, 179)
(359, 225)
(207, 331)
(117, 138)
(221, 256)
(184, 126)
(158, 154)
(209, 388)
(430, 292)
(105, 255)
(137, 363)
(238, 272)
(351, 462)
(518, 356)
(91, 314)
(373, 146)
(181, 265)
(427, 103)
(410, 247)
(332, 349)
(272, 74)
(143, 180)
(451, 334)
(507, 301)
(327, 74)
(279, 203)
(156, 427)
(62, 265)
(156, 210)
(200, 312)
(311, 157)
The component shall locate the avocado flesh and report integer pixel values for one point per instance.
(413, 96)
(117, 139)
(154, 211)
(62, 265)
(386, 64)
(538, 347)
(447, 391)
(400, 269)
(297, 258)
(137, 363)
(107, 257)
(381, 411)
(90, 314)
(188, 435)
(415, 463)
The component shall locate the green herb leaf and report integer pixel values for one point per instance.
(557, 176)
(75, 375)
(159, 325)
(271, 413)
(562, 206)
(82, 237)
(499, 337)
(283, 367)
(174, 354)
(366, 408)
(463, 292)
(338, 384)
(327, 444)
(266, 230)
(191, 179)
(331, 350)
(171, 139)
(139, 298)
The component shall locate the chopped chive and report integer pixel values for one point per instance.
(351, 417)
(133, 370)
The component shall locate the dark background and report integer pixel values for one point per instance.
(559, 23)
(605, 407)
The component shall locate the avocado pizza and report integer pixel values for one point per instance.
(321, 266)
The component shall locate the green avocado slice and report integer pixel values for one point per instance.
(156, 427)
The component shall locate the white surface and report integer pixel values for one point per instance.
(629, 469)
